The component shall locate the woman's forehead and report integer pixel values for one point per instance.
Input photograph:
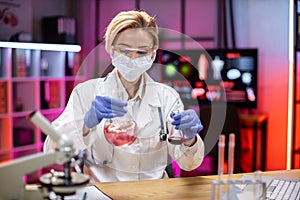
(134, 38)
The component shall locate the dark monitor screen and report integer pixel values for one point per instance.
(212, 75)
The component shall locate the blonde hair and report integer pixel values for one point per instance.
(127, 20)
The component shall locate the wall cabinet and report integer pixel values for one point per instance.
(33, 77)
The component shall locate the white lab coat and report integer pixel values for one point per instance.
(147, 157)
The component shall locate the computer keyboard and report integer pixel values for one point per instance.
(288, 189)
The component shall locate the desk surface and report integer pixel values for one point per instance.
(173, 188)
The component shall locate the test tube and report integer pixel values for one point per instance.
(257, 185)
(230, 161)
(221, 146)
(231, 147)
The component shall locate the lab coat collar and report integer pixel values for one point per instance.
(150, 100)
(149, 104)
(147, 94)
(151, 93)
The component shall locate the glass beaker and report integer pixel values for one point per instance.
(175, 136)
(121, 131)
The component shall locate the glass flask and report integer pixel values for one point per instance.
(175, 136)
(121, 131)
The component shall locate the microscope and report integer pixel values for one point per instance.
(64, 183)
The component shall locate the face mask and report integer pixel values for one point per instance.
(131, 69)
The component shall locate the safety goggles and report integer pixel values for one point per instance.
(136, 52)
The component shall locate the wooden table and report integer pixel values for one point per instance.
(173, 188)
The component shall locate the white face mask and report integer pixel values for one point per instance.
(131, 69)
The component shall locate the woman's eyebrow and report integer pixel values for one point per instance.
(144, 46)
(129, 46)
(124, 44)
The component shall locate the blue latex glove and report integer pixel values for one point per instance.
(187, 121)
(104, 107)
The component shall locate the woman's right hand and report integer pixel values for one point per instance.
(104, 107)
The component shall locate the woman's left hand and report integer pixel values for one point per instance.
(187, 121)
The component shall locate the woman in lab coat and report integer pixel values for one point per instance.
(131, 40)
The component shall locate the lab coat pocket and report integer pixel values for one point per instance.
(153, 154)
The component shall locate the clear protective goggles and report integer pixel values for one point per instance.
(135, 52)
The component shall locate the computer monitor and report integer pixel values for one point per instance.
(212, 75)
